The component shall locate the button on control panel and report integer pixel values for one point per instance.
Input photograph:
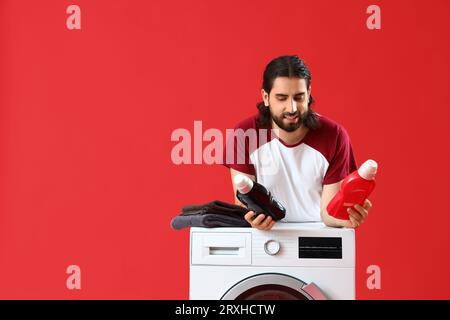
(272, 247)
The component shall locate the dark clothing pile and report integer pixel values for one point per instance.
(211, 215)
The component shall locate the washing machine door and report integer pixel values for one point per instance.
(273, 286)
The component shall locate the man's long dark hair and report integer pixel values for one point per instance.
(285, 66)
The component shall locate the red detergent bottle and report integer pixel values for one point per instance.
(355, 188)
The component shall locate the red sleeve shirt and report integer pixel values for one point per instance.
(295, 174)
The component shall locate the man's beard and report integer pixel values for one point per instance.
(290, 127)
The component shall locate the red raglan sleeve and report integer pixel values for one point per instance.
(236, 153)
(343, 161)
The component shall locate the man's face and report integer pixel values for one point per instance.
(288, 102)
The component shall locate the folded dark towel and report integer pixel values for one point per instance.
(210, 215)
(208, 220)
(216, 206)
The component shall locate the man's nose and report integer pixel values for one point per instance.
(292, 106)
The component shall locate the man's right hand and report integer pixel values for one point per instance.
(261, 222)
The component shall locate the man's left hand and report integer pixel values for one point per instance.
(358, 214)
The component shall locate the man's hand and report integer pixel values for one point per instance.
(357, 215)
(260, 222)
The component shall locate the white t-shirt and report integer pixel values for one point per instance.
(294, 174)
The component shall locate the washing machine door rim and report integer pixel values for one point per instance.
(309, 291)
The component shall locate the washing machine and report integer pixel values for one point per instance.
(292, 261)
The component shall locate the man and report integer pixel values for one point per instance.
(308, 154)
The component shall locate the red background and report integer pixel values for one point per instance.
(87, 115)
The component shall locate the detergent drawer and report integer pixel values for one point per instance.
(210, 248)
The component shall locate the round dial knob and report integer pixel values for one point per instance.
(272, 247)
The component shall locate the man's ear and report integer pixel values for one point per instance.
(265, 97)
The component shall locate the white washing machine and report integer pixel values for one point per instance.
(292, 261)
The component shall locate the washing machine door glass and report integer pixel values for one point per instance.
(273, 286)
(271, 292)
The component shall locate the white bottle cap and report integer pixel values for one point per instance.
(243, 183)
(368, 170)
